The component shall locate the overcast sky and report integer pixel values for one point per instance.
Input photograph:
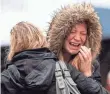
(38, 12)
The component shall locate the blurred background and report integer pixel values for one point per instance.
(39, 12)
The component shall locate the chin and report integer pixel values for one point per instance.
(74, 52)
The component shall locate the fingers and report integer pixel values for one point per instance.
(81, 57)
(75, 65)
(86, 52)
(86, 58)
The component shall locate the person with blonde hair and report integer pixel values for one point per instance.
(75, 35)
(25, 36)
(31, 65)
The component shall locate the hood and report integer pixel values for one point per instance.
(38, 54)
(32, 68)
(27, 60)
(66, 18)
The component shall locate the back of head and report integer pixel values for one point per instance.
(25, 36)
(66, 18)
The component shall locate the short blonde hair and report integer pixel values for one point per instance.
(25, 36)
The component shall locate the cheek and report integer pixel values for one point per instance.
(84, 39)
(70, 37)
(65, 44)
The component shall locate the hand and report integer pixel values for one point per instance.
(85, 65)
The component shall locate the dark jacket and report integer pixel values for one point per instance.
(29, 72)
(88, 85)
(33, 72)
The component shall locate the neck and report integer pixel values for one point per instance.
(66, 57)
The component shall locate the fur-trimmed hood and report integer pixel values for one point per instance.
(66, 18)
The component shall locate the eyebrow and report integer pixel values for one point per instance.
(76, 30)
(84, 31)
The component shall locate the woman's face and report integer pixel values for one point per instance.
(76, 39)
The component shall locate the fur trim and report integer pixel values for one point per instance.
(66, 18)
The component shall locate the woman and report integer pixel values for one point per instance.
(75, 35)
(31, 65)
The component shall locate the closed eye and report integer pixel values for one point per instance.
(73, 31)
(84, 33)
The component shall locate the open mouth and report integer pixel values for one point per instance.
(75, 44)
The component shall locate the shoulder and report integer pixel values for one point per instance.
(10, 73)
(96, 64)
(10, 78)
(96, 71)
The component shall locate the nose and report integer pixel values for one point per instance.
(77, 37)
